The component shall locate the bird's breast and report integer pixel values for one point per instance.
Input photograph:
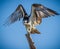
(27, 24)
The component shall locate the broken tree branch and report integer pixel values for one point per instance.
(31, 43)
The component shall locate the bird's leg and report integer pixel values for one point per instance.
(29, 30)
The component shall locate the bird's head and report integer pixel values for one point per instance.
(26, 19)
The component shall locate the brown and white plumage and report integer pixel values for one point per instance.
(37, 13)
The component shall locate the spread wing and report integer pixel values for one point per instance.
(16, 15)
(39, 11)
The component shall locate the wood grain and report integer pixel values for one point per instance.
(30, 42)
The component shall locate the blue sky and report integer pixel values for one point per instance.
(13, 36)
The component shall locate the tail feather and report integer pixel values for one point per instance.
(33, 31)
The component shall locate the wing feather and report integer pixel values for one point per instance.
(39, 11)
(16, 15)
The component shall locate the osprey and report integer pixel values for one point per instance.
(38, 11)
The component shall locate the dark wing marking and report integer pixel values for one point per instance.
(44, 11)
(16, 15)
(39, 11)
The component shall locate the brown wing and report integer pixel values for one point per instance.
(39, 11)
(16, 15)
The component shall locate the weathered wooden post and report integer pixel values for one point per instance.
(30, 42)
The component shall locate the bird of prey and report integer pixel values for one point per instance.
(38, 11)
